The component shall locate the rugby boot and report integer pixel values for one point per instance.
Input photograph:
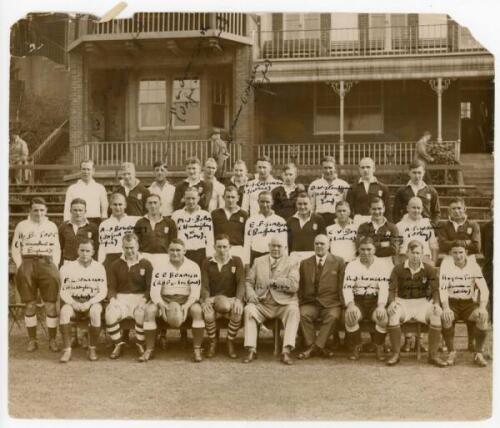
(53, 345)
(393, 360)
(32, 345)
(92, 353)
(479, 360)
(380, 353)
(146, 356)
(212, 349)
(452, 356)
(197, 356)
(230, 350)
(437, 361)
(286, 358)
(66, 356)
(354, 355)
(251, 355)
(117, 351)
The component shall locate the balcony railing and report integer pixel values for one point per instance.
(309, 155)
(156, 22)
(145, 153)
(372, 41)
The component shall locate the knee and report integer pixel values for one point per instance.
(292, 311)
(222, 304)
(196, 312)
(395, 319)
(150, 312)
(139, 315)
(30, 309)
(209, 314)
(95, 312)
(249, 311)
(112, 314)
(306, 314)
(332, 316)
(51, 309)
(65, 314)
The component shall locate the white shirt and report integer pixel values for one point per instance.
(461, 283)
(38, 239)
(360, 280)
(95, 196)
(324, 195)
(111, 233)
(418, 230)
(343, 240)
(166, 194)
(251, 193)
(195, 229)
(168, 281)
(83, 284)
(217, 199)
(260, 229)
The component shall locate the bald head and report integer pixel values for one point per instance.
(366, 168)
(414, 208)
(276, 247)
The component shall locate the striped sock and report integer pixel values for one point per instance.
(114, 332)
(211, 328)
(139, 333)
(232, 328)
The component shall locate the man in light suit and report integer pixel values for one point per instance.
(271, 292)
(320, 291)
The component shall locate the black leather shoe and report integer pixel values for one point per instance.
(393, 360)
(436, 361)
(212, 349)
(308, 353)
(325, 353)
(230, 350)
(354, 355)
(251, 355)
(286, 358)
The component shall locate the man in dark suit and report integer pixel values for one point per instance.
(320, 290)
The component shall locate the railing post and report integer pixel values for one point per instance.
(439, 85)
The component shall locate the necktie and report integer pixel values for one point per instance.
(317, 275)
(274, 265)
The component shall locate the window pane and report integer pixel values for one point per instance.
(153, 115)
(152, 104)
(327, 120)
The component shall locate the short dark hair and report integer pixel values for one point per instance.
(376, 200)
(153, 195)
(78, 201)
(303, 195)
(230, 188)
(416, 163)
(38, 201)
(458, 243)
(87, 161)
(263, 158)
(328, 159)
(265, 193)
(129, 237)
(192, 160)
(414, 243)
(86, 241)
(457, 200)
(366, 240)
(157, 164)
(222, 236)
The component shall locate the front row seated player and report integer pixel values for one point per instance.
(175, 290)
(222, 293)
(129, 280)
(460, 281)
(412, 283)
(365, 292)
(83, 288)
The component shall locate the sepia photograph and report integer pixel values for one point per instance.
(242, 215)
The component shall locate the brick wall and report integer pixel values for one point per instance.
(76, 92)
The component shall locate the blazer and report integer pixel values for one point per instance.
(329, 293)
(283, 283)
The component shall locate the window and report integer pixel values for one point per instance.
(185, 108)
(465, 110)
(301, 25)
(363, 109)
(152, 104)
(219, 104)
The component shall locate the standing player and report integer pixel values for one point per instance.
(93, 193)
(217, 197)
(76, 228)
(263, 182)
(222, 293)
(417, 187)
(129, 281)
(384, 234)
(343, 233)
(112, 230)
(133, 190)
(260, 228)
(175, 292)
(412, 283)
(36, 253)
(365, 293)
(231, 221)
(239, 179)
(460, 281)
(194, 227)
(303, 227)
(160, 186)
(83, 288)
(193, 180)
(413, 226)
(368, 186)
(326, 191)
(219, 152)
(487, 237)
(285, 196)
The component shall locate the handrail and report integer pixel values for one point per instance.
(48, 143)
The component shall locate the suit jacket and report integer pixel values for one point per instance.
(285, 280)
(329, 293)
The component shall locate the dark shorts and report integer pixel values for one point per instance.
(462, 309)
(196, 256)
(38, 274)
(366, 305)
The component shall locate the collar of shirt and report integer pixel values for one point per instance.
(266, 217)
(289, 190)
(76, 226)
(457, 225)
(230, 213)
(44, 220)
(220, 265)
(197, 208)
(232, 180)
(152, 222)
(301, 221)
(91, 181)
(274, 261)
(193, 183)
(407, 219)
(375, 227)
(413, 272)
(321, 260)
(373, 179)
(137, 181)
(135, 262)
(350, 222)
(416, 189)
(118, 220)
(155, 184)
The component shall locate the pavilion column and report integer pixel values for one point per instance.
(341, 88)
(439, 85)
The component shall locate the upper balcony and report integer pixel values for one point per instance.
(372, 41)
(155, 25)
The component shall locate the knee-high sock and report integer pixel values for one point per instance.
(354, 338)
(395, 338)
(31, 321)
(139, 333)
(434, 340)
(378, 338)
(232, 328)
(449, 337)
(51, 326)
(66, 335)
(480, 336)
(471, 330)
(211, 327)
(150, 336)
(197, 337)
(114, 331)
(94, 333)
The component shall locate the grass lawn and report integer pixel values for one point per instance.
(171, 387)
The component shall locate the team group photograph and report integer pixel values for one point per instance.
(221, 209)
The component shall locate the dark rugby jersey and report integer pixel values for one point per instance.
(385, 238)
(359, 200)
(229, 281)
(135, 279)
(302, 239)
(155, 241)
(136, 199)
(234, 227)
(69, 240)
(469, 231)
(285, 205)
(204, 190)
(423, 283)
(430, 203)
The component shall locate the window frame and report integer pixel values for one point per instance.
(140, 126)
